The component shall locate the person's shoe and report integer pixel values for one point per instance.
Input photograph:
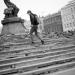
(42, 41)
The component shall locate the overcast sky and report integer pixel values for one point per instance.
(40, 7)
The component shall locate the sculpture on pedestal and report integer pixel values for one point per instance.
(12, 23)
(11, 10)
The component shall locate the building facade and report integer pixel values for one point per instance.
(53, 23)
(68, 16)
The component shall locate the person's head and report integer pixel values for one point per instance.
(29, 12)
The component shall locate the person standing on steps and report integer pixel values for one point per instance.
(34, 26)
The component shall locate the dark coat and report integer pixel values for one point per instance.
(33, 19)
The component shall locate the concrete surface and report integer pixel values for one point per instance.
(66, 72)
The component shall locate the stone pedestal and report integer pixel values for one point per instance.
(13, 25)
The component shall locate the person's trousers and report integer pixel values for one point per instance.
(34, 30)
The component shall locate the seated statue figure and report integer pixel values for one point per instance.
(11, 10)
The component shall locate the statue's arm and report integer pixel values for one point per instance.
(9, 4)
(6, 2)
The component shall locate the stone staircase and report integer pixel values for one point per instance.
(21, 58)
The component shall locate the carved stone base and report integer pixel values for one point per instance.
(13, 25)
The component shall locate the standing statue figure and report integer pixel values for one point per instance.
(11, 10)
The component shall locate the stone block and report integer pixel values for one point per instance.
(13, 25)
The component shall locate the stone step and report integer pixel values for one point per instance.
(65, 72)
(22, 47)
(35, 54)
(36, 61)
(26, 47)
(39, 66)
(48, 53)
(8, 47)
(35, 49)
(28, 60)
(21, 43)
(30, 48)
(27, 39)
(48, 70)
